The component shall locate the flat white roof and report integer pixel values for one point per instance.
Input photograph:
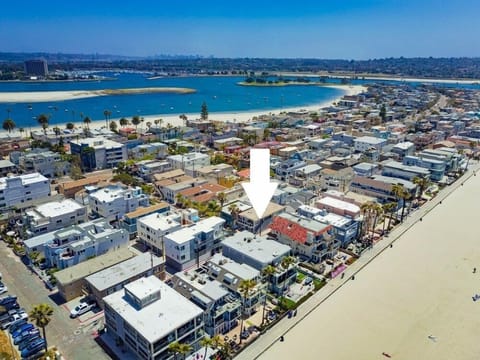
(339, 204)
(27, 179)
(160, 222)
(186, 234)
(370, 140)
(256, 247)
(123, 271)
(159, 318)
(333, 219)
(109, 193)
(98, 143)
(57, 208)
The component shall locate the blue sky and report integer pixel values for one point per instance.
(348, 29)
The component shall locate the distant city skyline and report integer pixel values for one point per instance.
(350, 29)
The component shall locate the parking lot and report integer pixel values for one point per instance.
(73, 337)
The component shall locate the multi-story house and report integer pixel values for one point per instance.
(53, 216)
(114, 201)
(114, 278)
(365, 143)
(380, 187)
(404, 149)
(287, 168)
(98, 152)
(129, 220)
(221, 307)
(148, 315)
(248, 219)
(45, 162)
(15, 190)
(231, 274)
(436, 167)
(307, 237)
(338, 206)
(152, 229)
(407, 172)
(194, 244)
(7, 167)
(259, 252)
(189, 162)
(74, 244)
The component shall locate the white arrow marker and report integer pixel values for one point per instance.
(259, 190)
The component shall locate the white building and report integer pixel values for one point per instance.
(106, 153)
(189, 162)
(365, 143)
(148, 315)
(45, 162)
(191, 245)
(152, 228)
(114, 201)
(54, 215)
(18, 189)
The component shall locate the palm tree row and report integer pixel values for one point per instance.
(245, 288)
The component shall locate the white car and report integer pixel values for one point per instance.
(3, 288)
(82, 308)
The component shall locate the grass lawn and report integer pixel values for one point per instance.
(300, 276)
(318, 284)
(287, 303)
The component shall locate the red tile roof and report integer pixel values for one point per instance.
(290, 229)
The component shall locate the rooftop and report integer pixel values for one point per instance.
(188, 233)
(371, 140)
(257, 247)
(98, 143)
(272, 208)
(82, 270)
(55, 208)
(147, 210)
(123, 271)
(297, 227)
(339, 204)
(159, 318)
(161, 222)
(26, 179)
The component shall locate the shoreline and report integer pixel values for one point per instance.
(47, 96)
(240, 116)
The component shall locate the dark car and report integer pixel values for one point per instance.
(17, 325)
(24, 335)
(21, 329)
(7, 299)
(33, 348)
(26, 343)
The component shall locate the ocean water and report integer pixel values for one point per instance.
(222, 94)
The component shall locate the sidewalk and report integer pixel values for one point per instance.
(264, 342)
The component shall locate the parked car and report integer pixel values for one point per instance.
(33, 348)
(13, 319)
(16, 325)
(82, 308)
(8, 299)
(3, 288)
(27, 341)
(24, 335)
(308, 280)
(24, 327)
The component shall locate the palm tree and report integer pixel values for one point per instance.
(107, 114)
(180, 200)
(70, 126)
(204, 111)
(388, 208)
(377, 211)
(149, 125)
(183, 117)
(213, 208)
(422, 183)
(245, 287)
(136, 121)
(226, 351)
(206, 342)
(179, 348)
(43, 121)
(365, 208)
(267, 272)
(21, 130)
(9, 125)
(87, 122)
(113, 126)
(222, 198)
(234, 211)
(400, 194)
(286, 262)
(123, 122)
(57, 131)
(41, 314)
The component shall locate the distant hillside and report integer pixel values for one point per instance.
(451, 68)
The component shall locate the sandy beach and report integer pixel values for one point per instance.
(46, 96)
(174, 120)
(413, 301)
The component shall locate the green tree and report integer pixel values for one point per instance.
(184, 118)
(234, 211)
(267, 273)
(107, 114)
(9, 125)
(41, 314)
(213, 208)
(113, 126)
(383, 113)
(136, 121)
(177, 348)
(389, 208)
(87, 121)
(245, 288)
(57, 131)
(204, 111)
(401, 194)
(43, 121)
(70, 126)
(222, 198)
(123, 122)
(422, 183)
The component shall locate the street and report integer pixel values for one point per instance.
(73, 338)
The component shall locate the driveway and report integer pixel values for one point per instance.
(73, 338)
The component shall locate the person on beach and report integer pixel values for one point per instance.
(474, 270)
(282, 338)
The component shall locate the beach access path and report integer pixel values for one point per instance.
(411, 297)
